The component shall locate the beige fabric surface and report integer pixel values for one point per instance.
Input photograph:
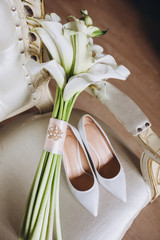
(21, 143)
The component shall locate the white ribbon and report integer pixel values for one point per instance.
(55, 136)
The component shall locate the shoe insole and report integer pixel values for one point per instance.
(76, 163)
(102, 155)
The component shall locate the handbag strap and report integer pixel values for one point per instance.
(135, 122)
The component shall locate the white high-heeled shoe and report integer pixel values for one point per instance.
(79, 174)
(106, 164)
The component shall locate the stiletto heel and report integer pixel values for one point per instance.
(106, 164)
(80, 177)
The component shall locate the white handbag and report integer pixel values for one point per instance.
(19, 90)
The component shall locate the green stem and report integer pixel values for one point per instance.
(32, 195)
(42, 188)
(57, 212)
(45, 221)
(52, 207)
(64, 110)
(56, 102)
(61, 105)
(40, 209)
(71, 107)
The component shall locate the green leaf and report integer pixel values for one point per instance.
(98, 33)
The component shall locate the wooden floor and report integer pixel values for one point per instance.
(134, 41)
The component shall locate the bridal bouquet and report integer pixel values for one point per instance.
(75, 63)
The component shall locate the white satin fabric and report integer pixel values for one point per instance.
(21, 143)
(7, 27)
(14, 90)
(55, 136)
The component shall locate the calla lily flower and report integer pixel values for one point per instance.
(78, 63)
(83, 56)
(52, 17)
(48, 42)
(68, 44)
(97, 51)
(56, 41)
(55, 69)
(85, 25)
(104, 68)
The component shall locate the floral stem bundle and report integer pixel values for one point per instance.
(43, 201)
(75, 64)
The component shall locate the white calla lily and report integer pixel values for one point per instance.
(76, 84)
(85, 25)
(55, 69)
(107, 59)
(62, 42)
(104, 72)
(69, 44)
(103, 69)
(53, 17)
(97, 51)
(49, 43)
(72, 47)
(76, 25)
(83, 56)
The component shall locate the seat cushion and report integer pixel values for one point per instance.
(21, 143)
